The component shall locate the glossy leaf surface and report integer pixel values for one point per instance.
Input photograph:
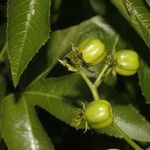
(28, 29)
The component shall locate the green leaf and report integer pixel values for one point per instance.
(55, 7)
(99, 6)
(21, 128)
(126, 116)
(130, 121)
(144, 78)
(144, 68)
(137, 14)
(20, 123)
(28, 30)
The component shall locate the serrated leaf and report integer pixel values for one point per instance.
(144, 79)
(137, 14)
(144, 69)
(27, 31)
(126, 116)
(134, 124)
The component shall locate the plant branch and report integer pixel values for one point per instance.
(126, 137)
(92, 87)
(99, 78)
(115, 43)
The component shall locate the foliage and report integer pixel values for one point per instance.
(40, 98)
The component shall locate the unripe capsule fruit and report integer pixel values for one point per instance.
(98, 114)
(127, 62)
(92, 50)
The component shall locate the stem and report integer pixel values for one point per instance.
(126, 137)
(114, 45)
(95, 93)
(92, 87)
(98, 80)
(3, 51)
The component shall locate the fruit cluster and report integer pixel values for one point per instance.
(93, 51)
(98, 114)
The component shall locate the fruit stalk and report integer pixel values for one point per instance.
(95, 94)
(92, 87)
(126, 137)
(98, 80)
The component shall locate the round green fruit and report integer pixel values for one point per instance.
(92, 51)
(127, 62)
(98, 114)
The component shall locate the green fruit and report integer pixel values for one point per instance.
(127, 62)
(92, 51)
(98, 114)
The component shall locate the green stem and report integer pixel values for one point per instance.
(3, 51)
(95, 93)
(92, 87)
(98, 80)
(126, 137)
(114, 45)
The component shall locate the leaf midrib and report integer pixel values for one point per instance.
(27, 26)
(44, 94)
(32, 139)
